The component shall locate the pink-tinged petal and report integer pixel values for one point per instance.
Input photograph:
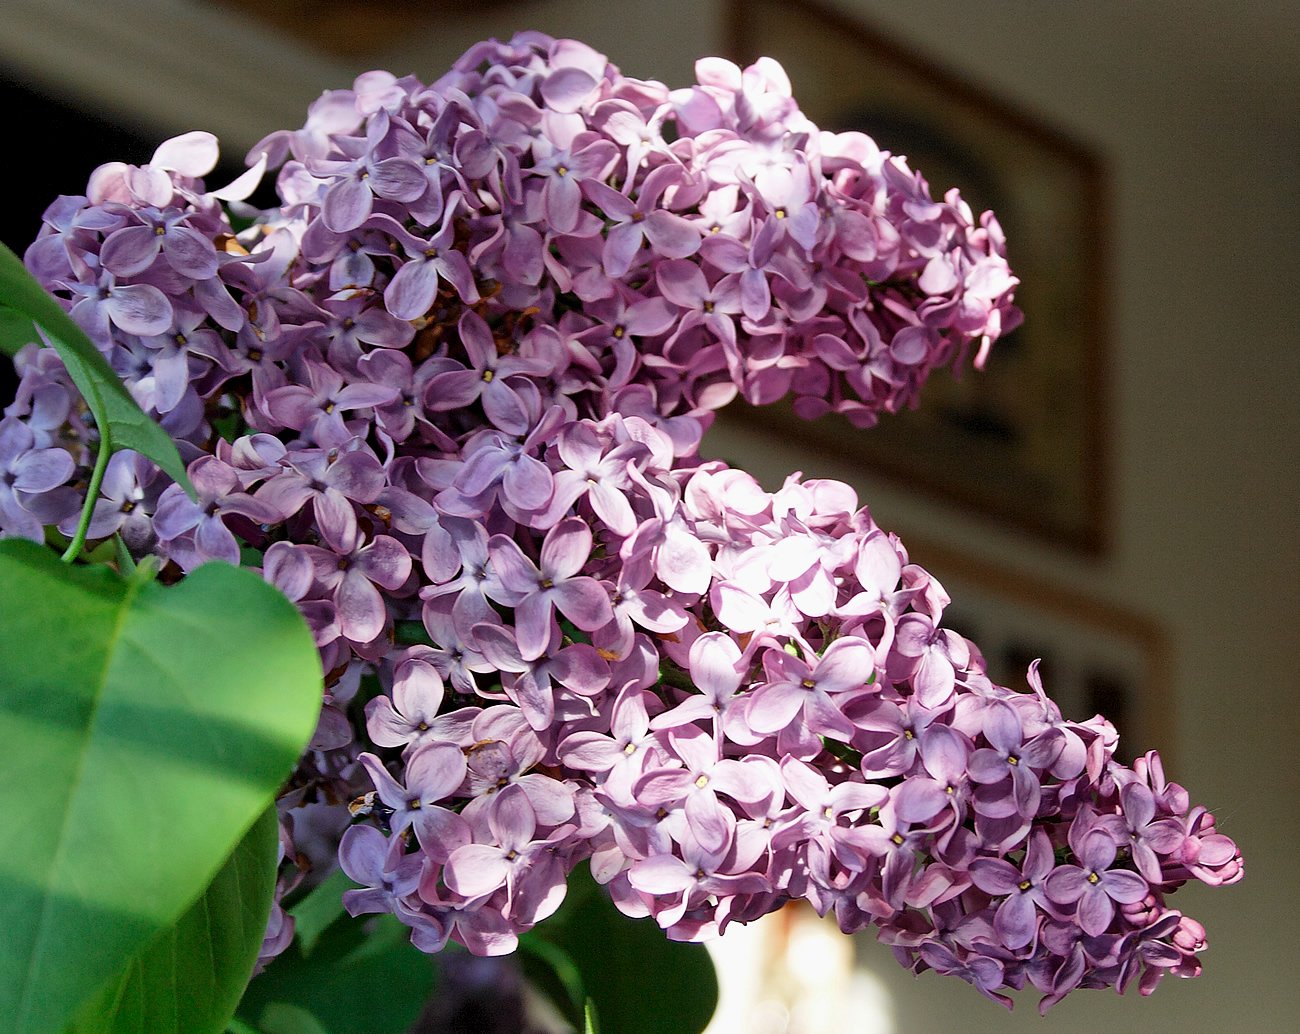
(140, 309)
(130, 250)
(512, 819)
(825, 719)
(412, 290)
(457, 270)
(566, 548)
(398, 179)
(1066, 884)
(513, 570)
(621, 246)
(656, 612)
(476, 870)
(42, 470)
(664, 787)
(791, 557)
(363, 853)
(215, 541)
(581, 668)
(682, 283)
(551, 800)
(584, 602)
(347, 205)
(918, 799)
(590, 751)
(192, 154)
(417, 691)
(503, 406)
(563, 201)
(435, 771)
(612, 507)
(814, 592)
(805, 784)
(190, 253)
(755, 295)
(1128, 888)
(440, 832)
(566, 89)
(683, 561)
(528, 483)
(1002, 727)
(391, 792)
(1095, 912)
(335, 517)
(938, 277)
(386, 562)
(714, 664)
(360, 608)
(534, 625)
(288, 569)
(848, 664)
(934, 681)
(1016, 920)
(614, 204)
(987, 766)
(774, 706)
(385, 726)
(995, 876)
(1139, 804)
(739, 609)
(650, 317)
(672, 236)
(662, 874)
(711, 823)
(364, 395)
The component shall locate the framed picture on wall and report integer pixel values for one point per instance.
(1022, 441)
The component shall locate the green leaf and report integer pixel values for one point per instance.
(122, 424)
(319, 909)
(189, 979)
(363, 975)
(590, 1018)
(145, 729)
(553, 973)
(620, 958)
(279, 1018)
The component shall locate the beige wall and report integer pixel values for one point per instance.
(1194, 106)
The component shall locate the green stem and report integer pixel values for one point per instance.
(92, 497)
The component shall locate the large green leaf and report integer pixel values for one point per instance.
(189, 979)
(318, 909)
(122, 424)
(145, 728)
(641, 982)
(363, 975)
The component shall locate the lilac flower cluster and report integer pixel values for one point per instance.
(449, 397)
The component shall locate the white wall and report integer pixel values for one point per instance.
(1194, 106)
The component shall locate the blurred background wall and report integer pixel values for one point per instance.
(1191, 107)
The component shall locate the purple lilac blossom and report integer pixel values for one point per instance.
(451, 391)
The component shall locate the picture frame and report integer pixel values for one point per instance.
(1022, 441)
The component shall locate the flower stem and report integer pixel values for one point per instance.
(88, 507)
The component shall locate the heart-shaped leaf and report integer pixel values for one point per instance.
(640, 982)
(189, 979)
(122, 424)
(145, 728)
